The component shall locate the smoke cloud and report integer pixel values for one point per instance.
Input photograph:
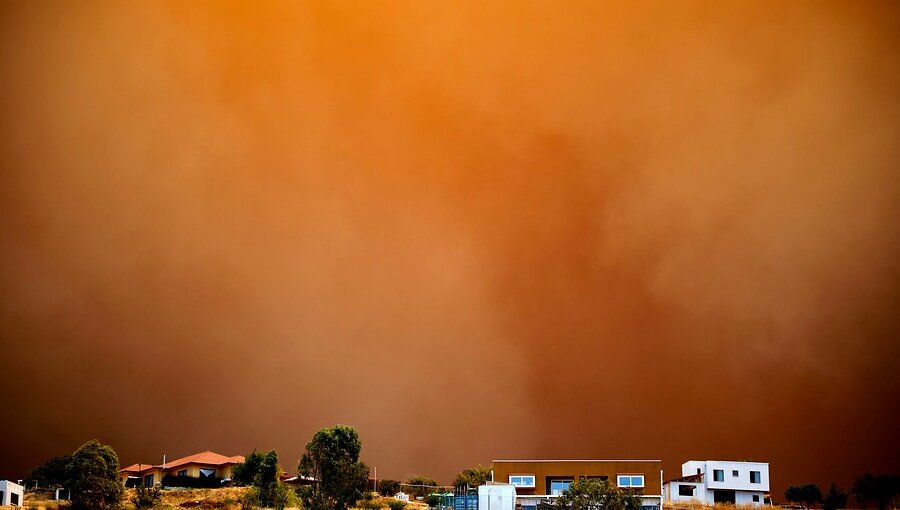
(471, 231)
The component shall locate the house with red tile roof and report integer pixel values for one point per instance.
(204, 465)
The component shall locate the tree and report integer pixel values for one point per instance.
(835, 498)
(880, 489)
(51, 474)
(93, 477)
(245, 472)
(332, 459)
(266, 479)
(808, 494)
(594, 494)
(388, 487)
(420, 486)
(473, 476)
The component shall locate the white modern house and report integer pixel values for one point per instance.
(720, 481)
(11, 494)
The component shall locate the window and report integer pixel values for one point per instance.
(148, 481)
(756, 498)
(631, 480)
(14, 499)
(183, 472)
(207, 473)
(557, 486)
(522, 480)
(718, 475)
(686, 490)
(734, 473)
(698, 471)
(754, 477)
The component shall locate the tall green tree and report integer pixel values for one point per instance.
(808, 494)
(388, 487)
(245, 472)
(473, 476)
(420, 486)
(863, 489)
(267, 479)
(332, 459)
(879, 489)
(835, 498)
(594, 494)
(93, 477)
(51, 474)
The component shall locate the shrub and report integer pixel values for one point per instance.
(146, 497)
(250, 500)
(368, 503)
(388, 487)
(396, 504)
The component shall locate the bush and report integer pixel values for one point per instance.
(146, 497)
(420, 486)
(396, 504)
(388, 487)
(250, 500)
(368, 503)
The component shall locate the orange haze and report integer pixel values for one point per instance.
(473, 230)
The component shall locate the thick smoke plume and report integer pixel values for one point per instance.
(524, 229)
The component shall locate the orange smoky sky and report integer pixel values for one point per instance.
(472, 230)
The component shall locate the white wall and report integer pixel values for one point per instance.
(671, 490)
(496, 496)
(8, 488)
(740, 482)
(746, 497)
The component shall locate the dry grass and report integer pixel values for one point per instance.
(226, 498)
(696, 505)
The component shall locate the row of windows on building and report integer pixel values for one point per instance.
(719, 475)
(558, 485)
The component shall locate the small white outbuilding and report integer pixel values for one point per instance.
(11, 494)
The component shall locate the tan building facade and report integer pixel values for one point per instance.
(539, 481)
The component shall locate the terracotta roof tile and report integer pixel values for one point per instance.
(207, 458)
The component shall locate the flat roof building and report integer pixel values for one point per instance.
(541, 481)
(11, 494)
(718, 481)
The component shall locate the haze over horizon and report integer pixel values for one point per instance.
(470, 230)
